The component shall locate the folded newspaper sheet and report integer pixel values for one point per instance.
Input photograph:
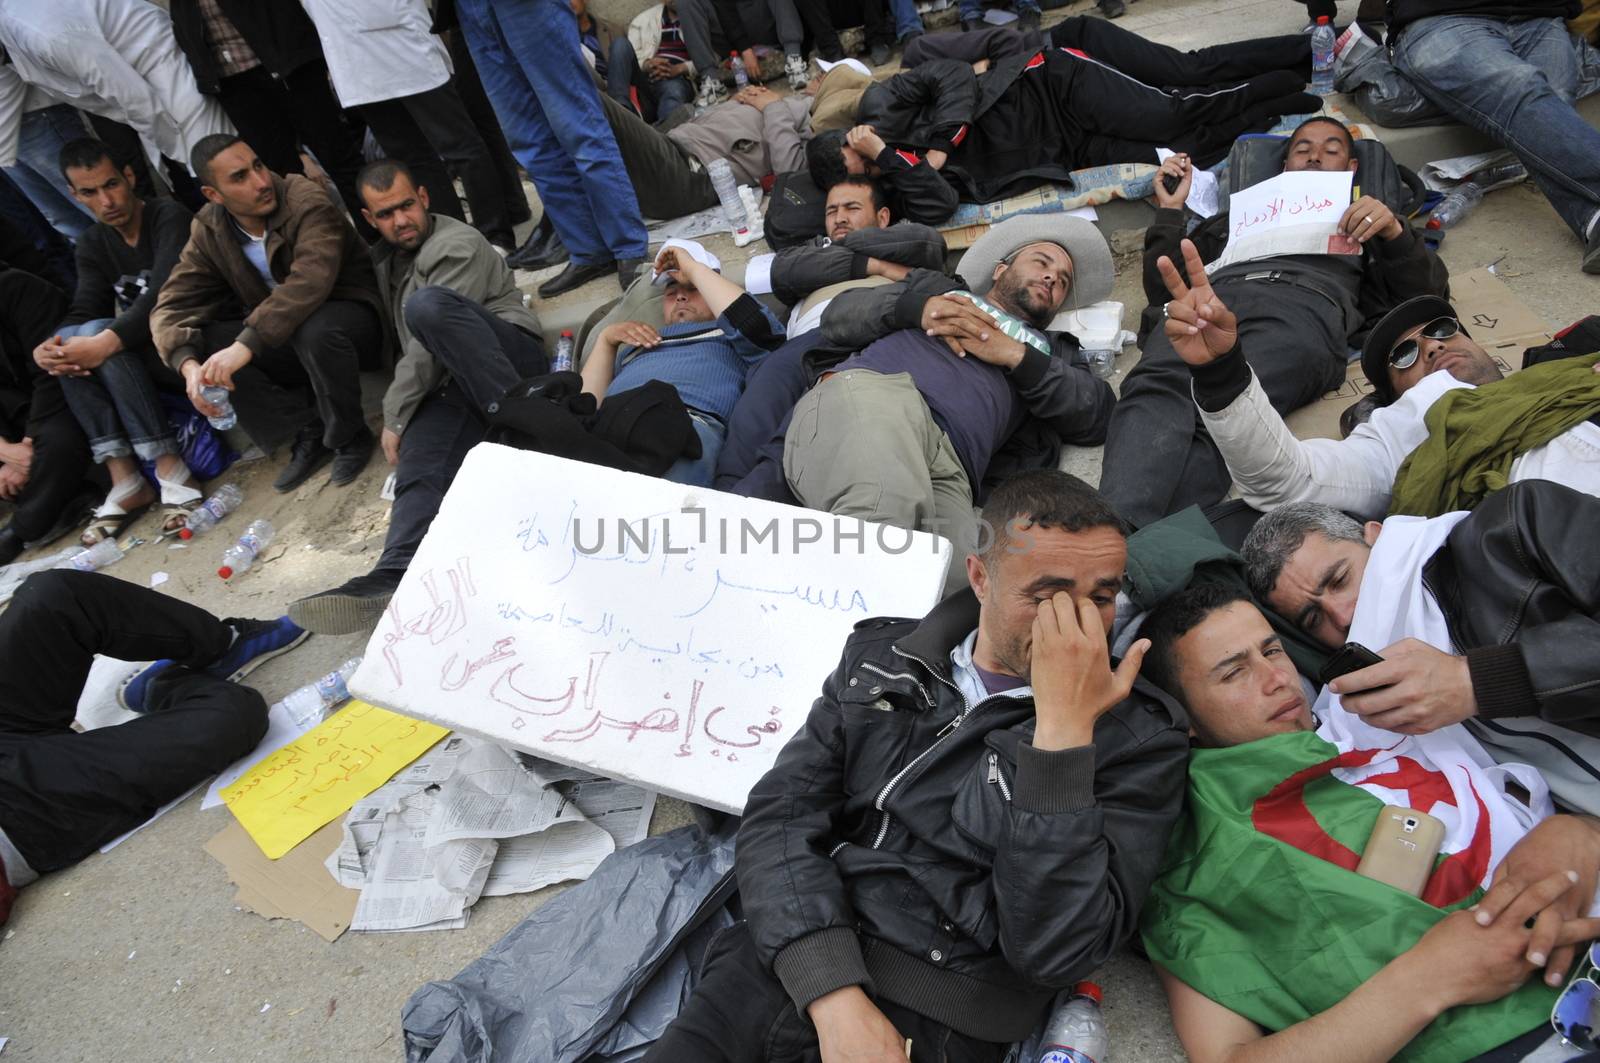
(473, 819)
(1291, 214)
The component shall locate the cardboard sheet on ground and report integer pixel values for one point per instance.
(669, 636)
(317, 777)
(296, 887)
(1290, 214)
(1496, 318)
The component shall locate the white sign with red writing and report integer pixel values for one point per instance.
(673, 637)
(1291, 214)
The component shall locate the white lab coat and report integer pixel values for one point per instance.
(116, 58)
(379, 49)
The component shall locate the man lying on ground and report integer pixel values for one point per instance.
(1269, 943)
(63, 794)
(465, 339)
(968, 821)
(1415, 357)
(1291, 316)
(1489, 618)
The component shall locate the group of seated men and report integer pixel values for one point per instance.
(965, 825)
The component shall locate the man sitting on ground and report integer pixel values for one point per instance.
(940, 909)
(951, 372)
(1489, 618)
(1291, 316)
(465, 339)
(714, 334)
(1415, 357)
(1279, 809)
(278, 248)
(63, 794)
(102, 353)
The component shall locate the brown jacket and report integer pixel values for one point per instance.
(312, 251)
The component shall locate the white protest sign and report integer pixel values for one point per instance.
(669, 636)
(1291, 214)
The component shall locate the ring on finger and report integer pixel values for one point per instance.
(1164, 314)
(1367, 220)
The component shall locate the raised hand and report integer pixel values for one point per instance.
(1176, 166)
(1199, 325)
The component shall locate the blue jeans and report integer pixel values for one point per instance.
(116, 405)
(532, 67)
(1515, 82)
(974, 8)
(697, 472)
(657, 99)
(906, 19)
(37, 170)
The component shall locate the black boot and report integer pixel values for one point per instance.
(542, 250)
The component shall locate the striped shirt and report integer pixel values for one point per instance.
(705, 360)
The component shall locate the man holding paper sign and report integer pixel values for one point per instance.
(1302, 291)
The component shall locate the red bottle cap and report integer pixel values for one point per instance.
(226, 571)
(1322, 20)
(186, 533)
(566, 334)
(1090, 990)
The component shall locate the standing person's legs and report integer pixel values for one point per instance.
(481, 111)
(484, 354)
(818, 22)
(669, 186)
(529, 58)
(1158, 64)
(400, 136)
(444, 120)
(260, 107)
(37, 170)
(328, 133)
(774, 22)
(703, 35)
(907, 20)
(329, 344)
(1514, 82)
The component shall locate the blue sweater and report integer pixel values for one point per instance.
(705, 360)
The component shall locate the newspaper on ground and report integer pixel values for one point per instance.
(471, 819)
(1443, 174)
(1291, 214)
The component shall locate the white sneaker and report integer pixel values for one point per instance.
(798, 72)
(712, 92)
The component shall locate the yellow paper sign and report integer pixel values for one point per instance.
(316, 778)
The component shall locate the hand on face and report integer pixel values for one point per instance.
(1070, 671)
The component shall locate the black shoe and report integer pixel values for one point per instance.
(968, 25)
(574, 276)
(1028, 21)
(1112, 8)
(908, 38)
(11, 545)
(307, 457)
(628, 271)
(541, 251)
(350, 459)
(1591, 251)
(879, 54)
(353, 607)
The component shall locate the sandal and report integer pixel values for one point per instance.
(113, 516)
(178, 500)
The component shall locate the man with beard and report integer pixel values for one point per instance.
(948, 372)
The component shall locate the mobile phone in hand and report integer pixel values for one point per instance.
(1351, 657)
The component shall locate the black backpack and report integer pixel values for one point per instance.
(796, 212)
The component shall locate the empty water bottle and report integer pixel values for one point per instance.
(740, 78)
(563, 361)
(103, 553)
(217, 396)
(1322, 57)
(205, 516)
(1456, 205)
(1077, 1030)
(308, 705)
(238, 558)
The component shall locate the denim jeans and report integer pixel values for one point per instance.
(697, 472)
(37, 170)
(657, 99)
(116, 405)
(974, 8)
(527, 54)
(906, 19)
(1515, 82)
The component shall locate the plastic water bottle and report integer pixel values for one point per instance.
(103, 553)
(217, 395)
(205, 516)
(1077, 1029)
(563, 361)
(727, 186)
(1102, 363)
(1504, 174)
(741, 79)
(238, 558)
(1456, 205)
(308, 705)
(1322, 48)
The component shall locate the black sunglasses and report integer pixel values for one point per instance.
(1404, 354)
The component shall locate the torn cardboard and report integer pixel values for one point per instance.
(1488, 310)
(295, 886)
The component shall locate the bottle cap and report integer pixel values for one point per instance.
(186, 533)
(566, 334)
(226, 571)
(1090, 990)
(1433, 223)
(1322, 20)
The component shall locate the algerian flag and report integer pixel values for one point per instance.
(1259, 906)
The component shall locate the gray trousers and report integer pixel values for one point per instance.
(668, 180)
(764, 22)
(865, 444)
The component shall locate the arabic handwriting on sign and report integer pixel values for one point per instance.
(444, 615)
(834, 599)
(1275, 209)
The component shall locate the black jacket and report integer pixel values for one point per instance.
(1066, 402)
(921, 847)
(800, 270)
(281, 34)
(1519, 584)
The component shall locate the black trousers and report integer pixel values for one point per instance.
(1158, 64)
(484, 357)
(433, 134)
(481, 112)
(750, 462)
(662, 172)
(276, 115)
(272, 395)
(329, 344)
(740, 1013)
(1159, 458)
(64, 794)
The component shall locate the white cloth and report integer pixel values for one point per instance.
(115, 58)
(379, 49)
(17, 98)
(644, 33)
(1274, 469)
(1393, 604)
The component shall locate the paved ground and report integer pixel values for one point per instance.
(139, 955)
